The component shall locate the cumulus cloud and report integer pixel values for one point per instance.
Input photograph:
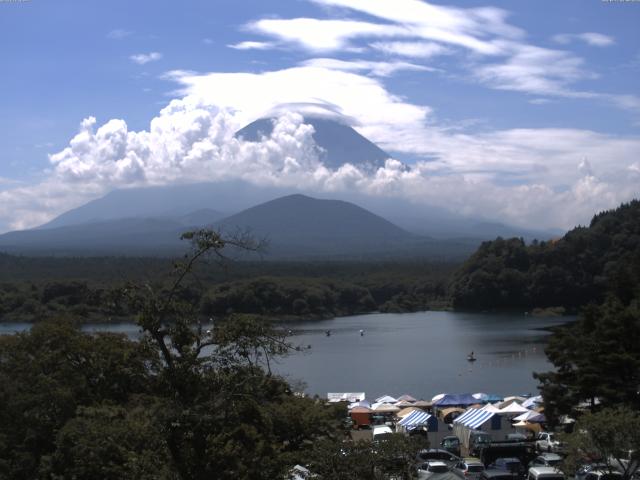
(310, 89)
(521, 176)
(144, 58)
(591, 38)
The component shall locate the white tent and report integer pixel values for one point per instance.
(514, 408)
(509, 400)
(438, 397)
(386, 399)
(362, 403)
(491, 408)
(529, 414)
(382, 407)
(533, 401)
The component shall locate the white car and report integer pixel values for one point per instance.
(433, 469)
(545, 473)
(547, 442)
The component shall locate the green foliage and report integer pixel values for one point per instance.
(611, 436)
(47, 373)
(89, 288)
(288, 297)
(573, 271)
(111, 443)
(597, 357)
(392, 458)
(181, 403)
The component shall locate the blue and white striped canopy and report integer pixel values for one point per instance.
(415, 419)
(474, 417)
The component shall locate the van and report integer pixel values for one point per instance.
(545, 473)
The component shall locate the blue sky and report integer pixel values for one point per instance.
(505, 107)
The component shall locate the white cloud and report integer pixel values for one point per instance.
(143, 58)
(378, 69)
(455, 26)
(532, 69)
(411, 49)
(521, 176)
(118, 34)
(304, 88)
(591, 38)
(499, 57)
(252, 45)
(323, 35)
(539, 101)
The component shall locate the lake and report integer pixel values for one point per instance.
(421, 354)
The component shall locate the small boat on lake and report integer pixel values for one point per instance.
(471, 357)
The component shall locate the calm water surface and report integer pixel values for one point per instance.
(422, 354)
(417, 353)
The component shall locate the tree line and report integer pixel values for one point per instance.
(580, 268)
(300, 291)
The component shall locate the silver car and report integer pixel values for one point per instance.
(469, 468)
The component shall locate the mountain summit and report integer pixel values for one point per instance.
(338, 142)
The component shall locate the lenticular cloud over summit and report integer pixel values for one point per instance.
(518, 176)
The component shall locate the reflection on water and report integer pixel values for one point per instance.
(417, 353)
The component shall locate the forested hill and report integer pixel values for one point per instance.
(578, 269)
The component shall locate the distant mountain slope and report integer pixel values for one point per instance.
(169, 201)
(302, 216)
(575, 270)
(301, 227)
(297, 227)
(297, 223)
(340, 143)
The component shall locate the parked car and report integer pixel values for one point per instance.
(509, 464)
(429, 454)
(381, 432)
(451, 444)
(582, 472)
(515, 437)
(545, 473)
(603, 475)
(435, 470)
(547, 442)
(469, 468)
(491, 474)
(546, 460)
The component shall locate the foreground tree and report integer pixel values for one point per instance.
(49, 373)
(392, 458)
(597, 361)
(184, 402)
(611, 436)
